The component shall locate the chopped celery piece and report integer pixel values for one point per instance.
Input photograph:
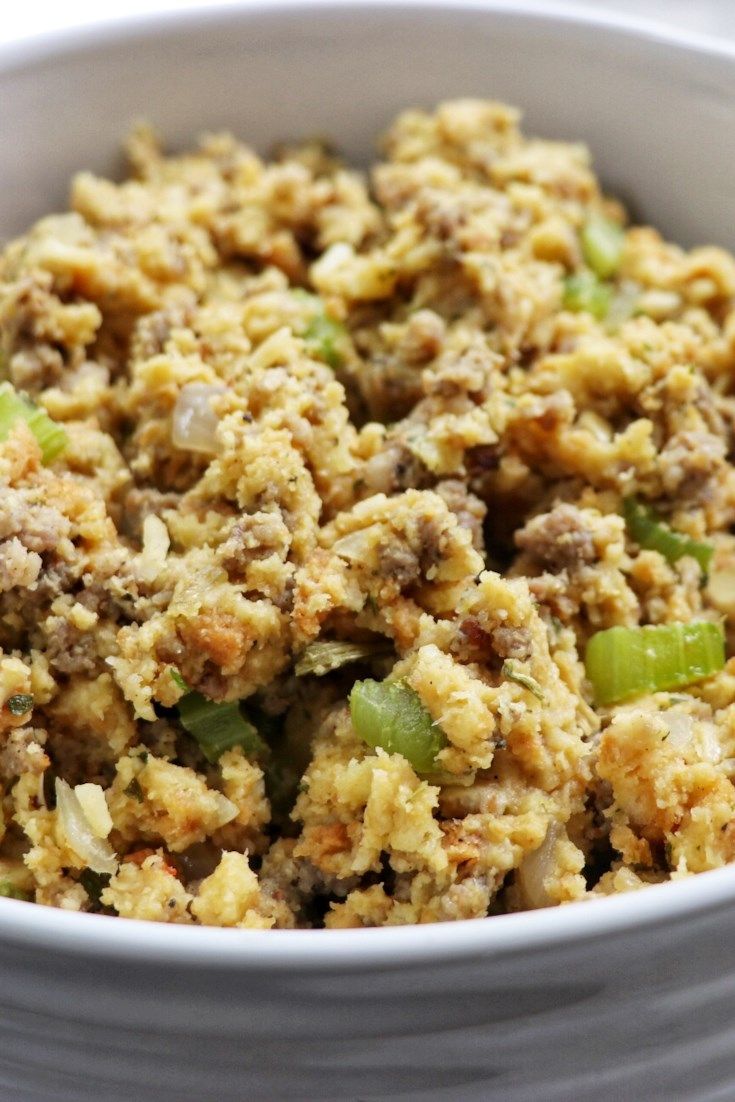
(602, 245)
(323, 336)
(584, 292)
(511, 671)
(624, 662)
(390, 714)
(13, 407)
(650, 532)
(8, 890)
(321, 658)
(217, 727)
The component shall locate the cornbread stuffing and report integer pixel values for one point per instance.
(365, 540)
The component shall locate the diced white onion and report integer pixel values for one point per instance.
(335, 257)
(355, 546)
(227, 810)
(156, 543)
(536, 867)
(194, 420)
(94, 853)
(659, 304)
(721, 586)
(94, 805)
(681, 729)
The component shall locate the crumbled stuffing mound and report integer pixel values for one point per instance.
(326, 430)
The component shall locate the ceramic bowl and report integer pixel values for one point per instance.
(627, 998)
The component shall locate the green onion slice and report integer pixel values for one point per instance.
(8, 890)
(624, 662)
(650, 532)
(218, 727)
(511, 671)
(14, 406)
(19, 704)
(584, 292)
(321, 658)
(390, 714)
(602, 243)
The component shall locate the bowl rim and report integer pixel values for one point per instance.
(36, 928)
(28, 49)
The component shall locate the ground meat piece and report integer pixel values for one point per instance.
(394, 468)
(141, 503)
(399, 563)
(475, 634)
(22, 752)
(558, 539)
(213, 684)
(253, 537)
(480, 644)
(35, 368)
(430, 537)
(687, 463)
(57, 578)
(68, 651)
(39, 527)
(151, 334)
(423, 338)
(482, 458)
(468, 373)
(551, 592)
(468, 509)
(18, 566)
(284, 599)
(510, 642)
(443, 215)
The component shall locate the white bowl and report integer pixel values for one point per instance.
(628, 998)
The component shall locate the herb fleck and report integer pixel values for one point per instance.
(510, 671)
(134, 790)
(178, 679)
(94, 883)
(20, 704)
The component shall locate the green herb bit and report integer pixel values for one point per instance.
(323, 337)
(390, 714)
(8, 890)
(625, 662)
(583, 292)
(218, 727)
(178, 679)
(602, 243)
(19, 704)
(511, 671)
(134, 790)
(321, 658)
(14, 407)
(94, 883)
(648, 531)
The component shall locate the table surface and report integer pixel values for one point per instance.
(37, 16)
